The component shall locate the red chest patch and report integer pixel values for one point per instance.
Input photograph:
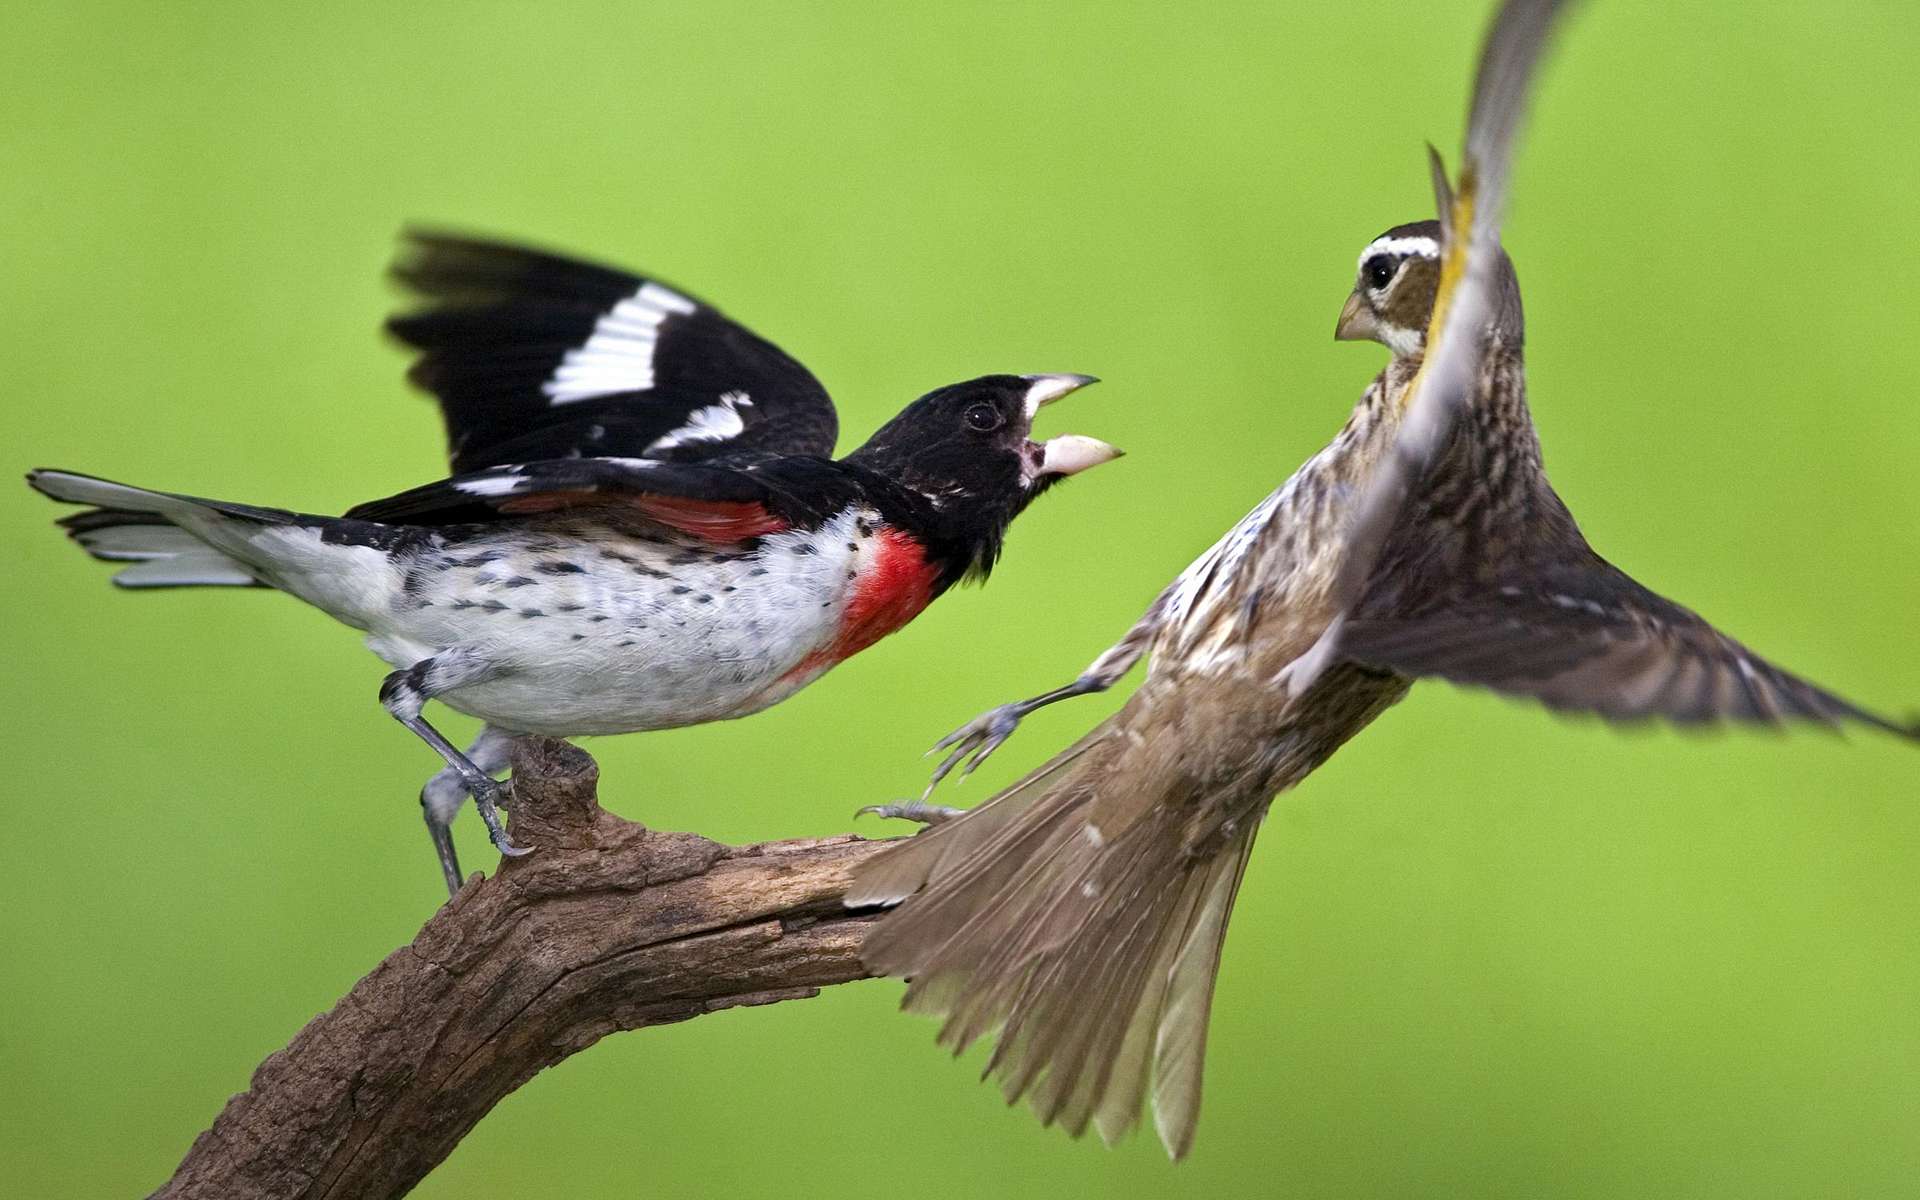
(892, 588)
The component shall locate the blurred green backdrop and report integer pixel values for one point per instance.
(1484, 952)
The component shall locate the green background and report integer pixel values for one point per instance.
(1484, 952)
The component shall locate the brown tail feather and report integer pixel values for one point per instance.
(1090, 951)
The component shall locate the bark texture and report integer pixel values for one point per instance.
(608, 926)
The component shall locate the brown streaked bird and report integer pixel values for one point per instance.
(1080, 913)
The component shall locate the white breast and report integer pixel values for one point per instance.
(644, 634)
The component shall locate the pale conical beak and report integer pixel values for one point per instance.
(1068, 454)
(1357, 322)
(1045, 389)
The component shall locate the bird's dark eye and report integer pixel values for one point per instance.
(1379, 272)
(984, 417)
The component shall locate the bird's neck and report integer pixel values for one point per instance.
(958, 535)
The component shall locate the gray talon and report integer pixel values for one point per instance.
(487, 797)
(972, 743)
(912, 810)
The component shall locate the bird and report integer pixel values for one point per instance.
(1079, 914)
(644, 526)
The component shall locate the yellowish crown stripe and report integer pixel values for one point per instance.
(1453, 269)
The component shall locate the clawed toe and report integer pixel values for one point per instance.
(489, 800)
(505, 845)
(911, 810)
(973, 743)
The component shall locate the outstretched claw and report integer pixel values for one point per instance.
(974, 741)
(488, 799)
(912, 810)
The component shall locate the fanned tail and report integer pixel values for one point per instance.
(143, 528)
(1091, 951)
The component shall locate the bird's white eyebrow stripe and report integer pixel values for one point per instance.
(1425, 247)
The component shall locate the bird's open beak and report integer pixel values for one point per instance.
(1043, 390)
(1357, 322)
(1070, 453)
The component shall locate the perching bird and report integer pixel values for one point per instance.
(1081, 912)
(645, 528)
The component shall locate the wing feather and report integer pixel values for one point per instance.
(1470, 220)
(537, 356)
(1590, 639)
(714, 501)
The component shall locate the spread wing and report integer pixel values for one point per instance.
(1584, 637)
(714, 501)
(1470, 222)
(534, 356)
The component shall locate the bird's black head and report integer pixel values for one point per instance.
(963, 457)
(1392, 300)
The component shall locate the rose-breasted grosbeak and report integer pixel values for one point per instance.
(1081, 912)
(645, 528)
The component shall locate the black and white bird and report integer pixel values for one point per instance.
(645, 527)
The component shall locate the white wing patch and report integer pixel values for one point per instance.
(491, 485)
(714, 423)
(618, 356)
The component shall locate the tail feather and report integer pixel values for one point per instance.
(205, 567)
(1091, 952)
(74, 488)
(137, 526)
(1180, 1044)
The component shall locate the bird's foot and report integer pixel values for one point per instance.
(488, 800)
(912, 810)
(972, 743)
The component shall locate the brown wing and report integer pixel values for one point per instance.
(1587, 638)
(1470, 217)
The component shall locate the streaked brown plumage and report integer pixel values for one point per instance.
(1081, 912)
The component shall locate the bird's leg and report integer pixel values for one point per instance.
(443, 795)
(404, 694)
(970, 744)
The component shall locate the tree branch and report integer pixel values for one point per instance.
(608, 926)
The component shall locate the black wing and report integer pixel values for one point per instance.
(1585, 637)
(534, 356)
(719, 502)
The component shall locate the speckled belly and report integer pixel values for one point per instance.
(627, 634)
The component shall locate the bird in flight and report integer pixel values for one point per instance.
(1080, 913)
(645, 526)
